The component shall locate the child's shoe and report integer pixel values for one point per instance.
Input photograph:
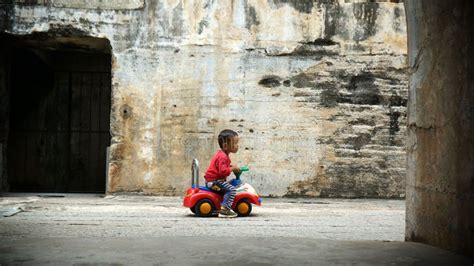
(227, 213)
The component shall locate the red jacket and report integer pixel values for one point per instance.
(219, 168)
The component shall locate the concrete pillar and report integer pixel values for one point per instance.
(440, 163)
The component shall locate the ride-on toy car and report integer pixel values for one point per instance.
(205, 202)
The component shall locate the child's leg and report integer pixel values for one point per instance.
(229, 195)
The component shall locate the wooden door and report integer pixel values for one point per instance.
(59, 128)
(89, 124)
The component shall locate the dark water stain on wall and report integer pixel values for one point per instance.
(270, 81)
(366, 16)
(329, 94)
(202, 24)
(396, 22)
(177, 21)
(360, 141)
(363, 90)
(251, 18)
(394, 126)
(397, 100)
(303, 6)
(317, 49)
(323, 42)
(304, 80)
(329, 98)
(331, 18)
(362, 121)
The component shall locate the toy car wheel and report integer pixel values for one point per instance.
(243, 208)
(192, 209)
(204, 208)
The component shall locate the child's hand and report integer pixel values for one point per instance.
(235, 169)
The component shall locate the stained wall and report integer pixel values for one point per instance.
(316, 89)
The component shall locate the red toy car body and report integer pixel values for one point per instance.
(205, 202)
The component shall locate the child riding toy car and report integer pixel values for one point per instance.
(204, 202)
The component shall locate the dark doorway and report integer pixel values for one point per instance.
(59, 115)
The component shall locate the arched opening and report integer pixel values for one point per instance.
(56, 120)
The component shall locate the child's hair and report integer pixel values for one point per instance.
(225, 136)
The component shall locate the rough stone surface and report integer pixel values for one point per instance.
(440, 181)
(141, 230)
(317, 90)
(202, 251)
(136, 216)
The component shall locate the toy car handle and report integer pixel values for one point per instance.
(195, 173)
(242, 169)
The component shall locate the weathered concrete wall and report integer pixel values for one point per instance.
(440, 181)
(317, 90)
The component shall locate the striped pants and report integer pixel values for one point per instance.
(229, 190)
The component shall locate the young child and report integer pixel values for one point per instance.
(220, 168)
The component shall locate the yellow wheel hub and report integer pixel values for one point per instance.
(243, 208)
(205, 208)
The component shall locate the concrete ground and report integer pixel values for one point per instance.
(90, 229)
